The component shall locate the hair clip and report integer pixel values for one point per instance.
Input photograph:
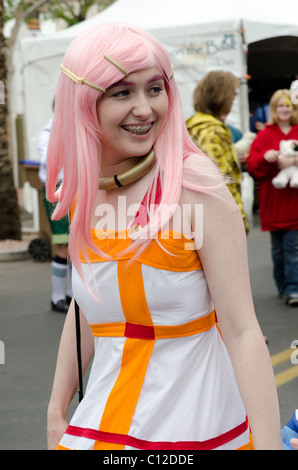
(172, 74)
(80, 80)
(116, 64)
(287, 100)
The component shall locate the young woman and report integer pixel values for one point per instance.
(278, 206)
(158, 245)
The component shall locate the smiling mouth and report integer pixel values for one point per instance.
(138, 130)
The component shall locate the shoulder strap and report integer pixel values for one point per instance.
(79, 355)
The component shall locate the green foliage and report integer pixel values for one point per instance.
(71, 12)
(74, 12)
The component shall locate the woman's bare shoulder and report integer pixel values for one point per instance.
(197, 161)
(204, 183)
(200, 170)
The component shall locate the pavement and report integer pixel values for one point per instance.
(30, 334)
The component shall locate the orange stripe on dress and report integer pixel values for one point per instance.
(132, 330)
(132, 293)
(122, 401)
(124, 396)
(173, 252)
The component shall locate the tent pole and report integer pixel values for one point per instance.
(244, 103)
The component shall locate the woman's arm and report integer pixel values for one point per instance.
(223, 254)
(262, 159)
(66, 376)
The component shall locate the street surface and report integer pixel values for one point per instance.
(30, 334)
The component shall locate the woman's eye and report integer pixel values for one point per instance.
(121, 94)
(155, 89)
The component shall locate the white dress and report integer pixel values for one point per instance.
(161, 377)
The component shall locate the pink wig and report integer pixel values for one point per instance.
(75, 141)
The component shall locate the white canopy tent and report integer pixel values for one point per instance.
(200, 36)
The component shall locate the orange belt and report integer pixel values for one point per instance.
(132, 330)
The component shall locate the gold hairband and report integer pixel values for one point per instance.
(82, 80)
(116, 65)
(125, 71)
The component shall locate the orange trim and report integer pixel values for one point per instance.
(124, 396)
(108, 329)
(132, 293)
(59, 447)
(160, 331)
(122, 401)
(174, 253)
(187, 329)
(249, 445)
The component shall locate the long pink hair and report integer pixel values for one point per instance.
(75, 140)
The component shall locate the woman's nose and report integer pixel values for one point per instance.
(142, 106)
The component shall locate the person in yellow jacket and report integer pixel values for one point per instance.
(213, 99)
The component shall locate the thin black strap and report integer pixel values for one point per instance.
(78, 335)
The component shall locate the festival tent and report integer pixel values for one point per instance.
(199, 36)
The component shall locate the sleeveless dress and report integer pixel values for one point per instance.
(161, 377)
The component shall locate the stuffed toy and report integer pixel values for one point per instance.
(247, 195)
(243, 145)
(247, 184)
(288, 148)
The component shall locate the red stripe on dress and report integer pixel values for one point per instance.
(139, 331)
(149, 445)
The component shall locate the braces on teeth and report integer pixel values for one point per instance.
(138, 129)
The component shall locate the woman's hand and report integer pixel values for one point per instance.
(66, 379)
(271, 156)
(286, 162)
(294, 443)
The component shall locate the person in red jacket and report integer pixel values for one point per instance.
(278, 207)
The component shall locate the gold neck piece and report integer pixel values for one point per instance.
(129, 176)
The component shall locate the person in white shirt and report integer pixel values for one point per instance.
(61, 266)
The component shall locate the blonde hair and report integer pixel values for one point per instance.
(214, 94)
(284, 93)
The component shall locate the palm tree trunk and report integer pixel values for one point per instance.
(10, 223)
